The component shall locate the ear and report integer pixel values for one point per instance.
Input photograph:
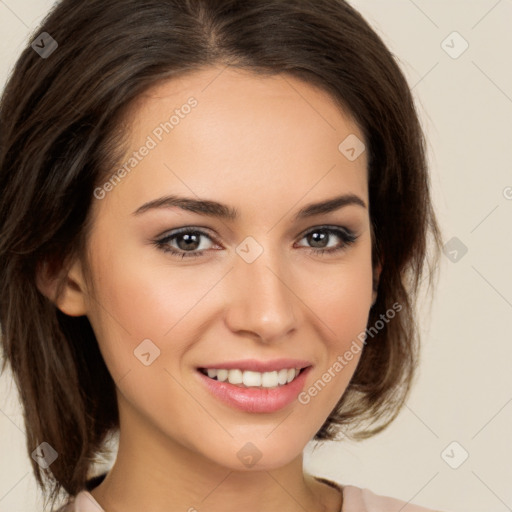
(377, 269)
(68, 292)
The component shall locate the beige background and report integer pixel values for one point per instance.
(464, 390)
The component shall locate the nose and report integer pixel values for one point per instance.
(261, 299)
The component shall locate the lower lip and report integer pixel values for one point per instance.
(256, 399)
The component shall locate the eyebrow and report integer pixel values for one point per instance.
(223, 211)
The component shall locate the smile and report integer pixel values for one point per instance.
(255, 392)
(251, 379)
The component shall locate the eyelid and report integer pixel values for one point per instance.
(334, 227)
(346, 235)
(202, 231)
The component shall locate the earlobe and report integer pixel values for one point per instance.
(67, 292)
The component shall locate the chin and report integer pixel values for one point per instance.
(256, 455)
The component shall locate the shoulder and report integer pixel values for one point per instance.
(364, 500)
(356, 499)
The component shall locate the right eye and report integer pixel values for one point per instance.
(183, 243)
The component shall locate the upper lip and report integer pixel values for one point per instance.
(259, 366)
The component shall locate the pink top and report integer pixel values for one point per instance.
(355, 499)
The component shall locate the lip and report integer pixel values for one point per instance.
(256, 400)
(259, 366)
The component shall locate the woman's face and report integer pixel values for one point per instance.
(251, 286)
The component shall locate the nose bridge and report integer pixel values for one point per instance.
(262, 301)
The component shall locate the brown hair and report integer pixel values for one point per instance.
(60, 136)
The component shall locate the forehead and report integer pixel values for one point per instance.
(231, 133)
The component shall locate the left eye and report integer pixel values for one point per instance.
(319, 237)
(187, 242)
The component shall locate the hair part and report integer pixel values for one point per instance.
(62, 132)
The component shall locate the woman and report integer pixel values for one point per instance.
(217, 215)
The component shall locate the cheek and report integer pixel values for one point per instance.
(343, 301)
(341, 294)
(142, 294)
(136, 303)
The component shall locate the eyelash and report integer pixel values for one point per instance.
(347, 236)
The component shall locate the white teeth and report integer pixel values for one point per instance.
(252, 379)
(282, 376)
(235, 377)
(269, 379)
(222, 375)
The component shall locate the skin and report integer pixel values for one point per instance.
(267, 146)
